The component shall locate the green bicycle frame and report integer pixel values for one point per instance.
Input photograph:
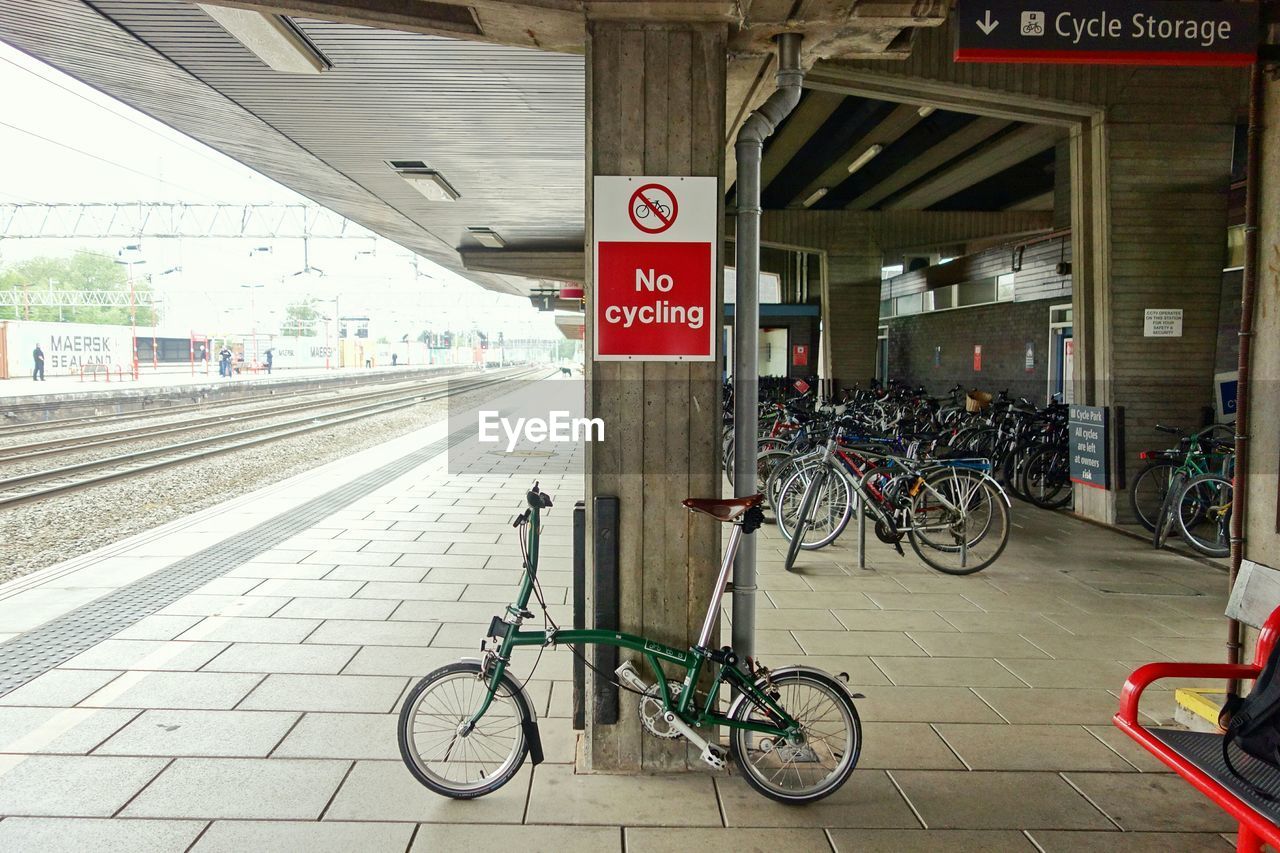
(692, 661)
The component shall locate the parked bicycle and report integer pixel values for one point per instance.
(466, 729)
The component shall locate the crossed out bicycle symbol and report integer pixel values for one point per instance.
(643, 209)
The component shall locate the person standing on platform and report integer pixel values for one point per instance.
(37, 370)
(270, 356)
(224, 361)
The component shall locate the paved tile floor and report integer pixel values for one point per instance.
(258, 713)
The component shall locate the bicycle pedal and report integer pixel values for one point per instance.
(715, 757)
(627, 673)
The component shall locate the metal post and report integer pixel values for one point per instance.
(862, 529)
(749, 146)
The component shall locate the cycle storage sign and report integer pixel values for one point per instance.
(1087, 445)
(1107, 32)
(654, 260)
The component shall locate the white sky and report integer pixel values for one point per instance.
(61, 141)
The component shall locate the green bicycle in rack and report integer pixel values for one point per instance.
(466, 729)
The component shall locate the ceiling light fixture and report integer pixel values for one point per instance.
(815, 196)
(425, 180)
(486, 237)
(925, 112)
(865, 157)
(274, 39)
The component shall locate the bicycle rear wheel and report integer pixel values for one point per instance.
(1046, 478)
(959, 522)
(823, 756)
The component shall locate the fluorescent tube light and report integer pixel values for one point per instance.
(865, 157)
(817, 194)
(487, 237)
(431, 184)
(925, 112)
(272, 38)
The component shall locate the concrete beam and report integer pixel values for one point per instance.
(567, 265)
(551, 25)
(949, 148)
(1007, 151)
(816, 108)
(889, 131)
(1044, 201)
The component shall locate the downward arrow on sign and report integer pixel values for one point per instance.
(987, 25)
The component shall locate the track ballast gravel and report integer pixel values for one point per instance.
(40, 534)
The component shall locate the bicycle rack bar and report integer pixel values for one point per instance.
(862, 530)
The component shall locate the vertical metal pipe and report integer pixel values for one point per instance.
(1240, 484)
(746, 321)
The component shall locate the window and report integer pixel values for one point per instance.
(1005, 287)
(905, 305)
(890, 272)
(976, 293)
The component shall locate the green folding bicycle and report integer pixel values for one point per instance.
(466, 728)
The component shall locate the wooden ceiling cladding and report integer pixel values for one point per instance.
(504, 125)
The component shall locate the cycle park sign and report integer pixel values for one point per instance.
(1087, 445)
(1107, 32)
(654, 260)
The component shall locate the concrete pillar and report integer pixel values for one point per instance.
(1262, 533)
(850, 318)
(655, 106)
(1149, 196)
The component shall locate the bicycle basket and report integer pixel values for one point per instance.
(977, 401)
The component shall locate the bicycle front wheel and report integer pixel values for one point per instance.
(826, 517)
(1147, 492)
(444, 757)
(1204, 514)
(824, 754)
(959, 522)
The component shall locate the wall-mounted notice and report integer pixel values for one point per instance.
(1162, 323)
(655, 268)
(977, 358)
(1087, 444)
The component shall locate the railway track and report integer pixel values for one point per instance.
(37, 485)
(21, 427)
(58, 446)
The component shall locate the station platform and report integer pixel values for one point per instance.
(230, 682)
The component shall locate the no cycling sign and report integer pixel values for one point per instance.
(654, 284)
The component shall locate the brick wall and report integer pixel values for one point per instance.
(1002, 330)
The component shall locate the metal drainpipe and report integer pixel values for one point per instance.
(1239, 497)
(746, 344)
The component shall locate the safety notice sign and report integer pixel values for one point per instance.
(654, 258)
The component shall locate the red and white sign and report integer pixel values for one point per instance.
(977, 358)
(654, 289)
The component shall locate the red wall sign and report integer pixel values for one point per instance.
(654, 294)
(977, 358)
(799, 355)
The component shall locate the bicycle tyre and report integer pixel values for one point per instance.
(802, 519)
(928, 551)
(1165, 521)
(406, 732)
(745, 743)
(833, 481)
(1222, 544)
(1048, 461)
(1161, 471)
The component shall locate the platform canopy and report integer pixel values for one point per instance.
(456, 129)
